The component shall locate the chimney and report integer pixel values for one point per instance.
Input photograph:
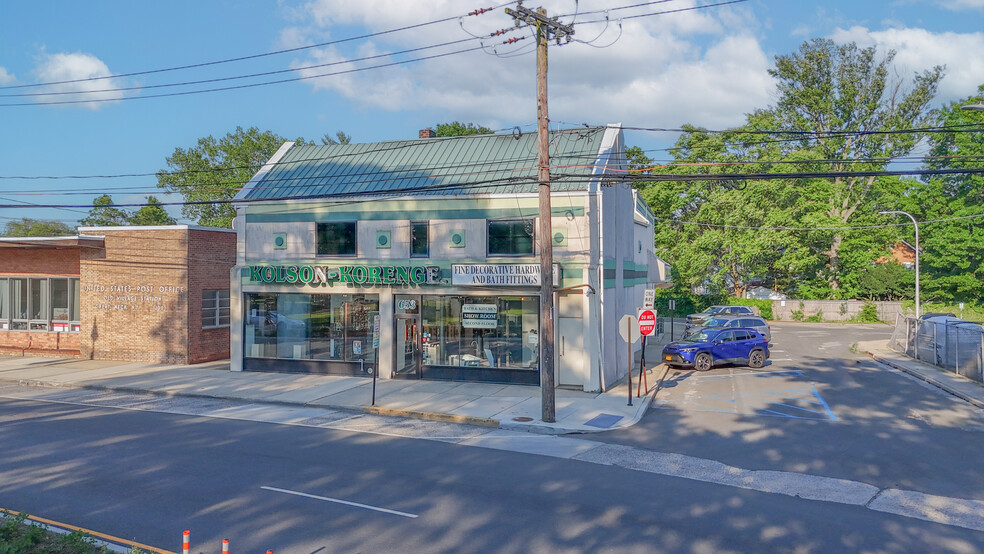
(427, 133)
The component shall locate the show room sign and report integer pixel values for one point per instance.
(499, 275)
(479, 316)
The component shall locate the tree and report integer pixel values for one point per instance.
(152, 213)
(27, 227)
(211, 172)
(836, 112)
(842, 96)
(339, 138)
(456, 129)
(952, 257)
(104, 214)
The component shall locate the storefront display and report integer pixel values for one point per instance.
(328, 327)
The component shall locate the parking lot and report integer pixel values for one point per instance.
(818, 407)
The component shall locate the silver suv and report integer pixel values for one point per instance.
(731, 321)
(715, 311)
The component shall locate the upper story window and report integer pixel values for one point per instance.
(510, 237)
(419, 240)
(337, 239)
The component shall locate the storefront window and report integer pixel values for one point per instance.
(59, 300)
(481, 331)
(39, 304)
(4, 304)
(342, 327)
(18, 303)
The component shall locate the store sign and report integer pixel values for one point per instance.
(358, 274)
(479, 316)
(499, 275)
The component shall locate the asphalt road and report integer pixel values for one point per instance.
(148, 476)
(821, 409)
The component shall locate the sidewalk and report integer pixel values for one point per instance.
(957, 385)
(514, 407)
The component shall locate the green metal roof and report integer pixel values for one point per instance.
(476, 164)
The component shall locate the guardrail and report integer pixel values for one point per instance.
(956, 346)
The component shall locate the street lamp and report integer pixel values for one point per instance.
(916, 224)
(973, 107)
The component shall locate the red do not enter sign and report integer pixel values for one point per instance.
(647, 322)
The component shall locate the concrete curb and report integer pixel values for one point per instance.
(927, 377)
(450, 418)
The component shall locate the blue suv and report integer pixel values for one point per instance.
(711, 346)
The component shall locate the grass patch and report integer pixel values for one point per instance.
(19, 535)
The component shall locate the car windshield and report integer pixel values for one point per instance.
(715, 309)
(700, 336)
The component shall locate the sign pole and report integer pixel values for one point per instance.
(629, 344)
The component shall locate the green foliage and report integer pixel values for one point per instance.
(339, 138)
(815, 318)
(152, 213)
(213, 171)
(884, 281)
(689, 303)
(19, 535)
(738, 232)
(27, 227)
(764, 306)
(456, 129)
(868, 314)
(798, 314)
(104, 214)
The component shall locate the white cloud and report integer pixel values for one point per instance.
(78, 67)
(957, 5)
(655, 74)
(6, 78)
(919, 49)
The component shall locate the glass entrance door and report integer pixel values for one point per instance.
(407, 346)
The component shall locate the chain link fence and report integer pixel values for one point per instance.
(948, 343)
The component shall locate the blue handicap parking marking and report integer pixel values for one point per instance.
(796, 404)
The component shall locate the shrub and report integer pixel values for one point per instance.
(815, 318)
(868, 314)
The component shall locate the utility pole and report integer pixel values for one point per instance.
(546, 28)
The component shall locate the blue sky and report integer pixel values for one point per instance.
(707, 67)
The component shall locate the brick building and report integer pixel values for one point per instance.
(157, 294)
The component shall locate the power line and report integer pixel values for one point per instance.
(255, 56)
(678, 10)
(787, 228)
(963, 128)
(237, 77)
(237, 87)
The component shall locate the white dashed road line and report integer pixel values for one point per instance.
(339, 501)
(957, 512)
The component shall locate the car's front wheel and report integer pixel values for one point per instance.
(756, 359)
(703, 362)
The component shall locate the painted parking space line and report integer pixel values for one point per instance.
(340, 501)
(802, 403)
(755, 374)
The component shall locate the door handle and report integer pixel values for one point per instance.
(562, 344)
